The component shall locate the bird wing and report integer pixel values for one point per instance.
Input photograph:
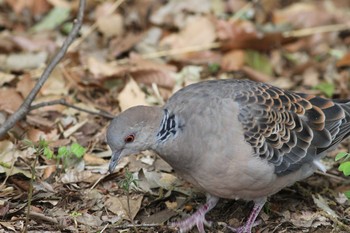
(288, 129)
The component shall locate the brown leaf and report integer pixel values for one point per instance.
(10, 94)
(233, 60)
(199, 31)
(111, 25)
(48, 171)
(119, 206)
(240, 34)
(25, 85)
(131, 96)
(93, 160)
(344, 61)
(256, 75)
(303, 15)
(35, 135)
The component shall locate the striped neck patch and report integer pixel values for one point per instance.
(168, 126)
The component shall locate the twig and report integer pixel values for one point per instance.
(25, 106)
(341, 179)
(310, 31)
(43, 217)
(340, 224)
(30, 192)
(176, 51)
(64, 103)
(104, 228)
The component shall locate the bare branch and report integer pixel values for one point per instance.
(25, 107)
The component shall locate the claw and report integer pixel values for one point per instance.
(198, 218)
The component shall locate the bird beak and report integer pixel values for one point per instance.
(114, 160)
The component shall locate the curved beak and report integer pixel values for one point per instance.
(114, 160)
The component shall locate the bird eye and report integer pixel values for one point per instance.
(129, 138)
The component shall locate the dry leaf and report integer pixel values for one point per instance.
(303, 15)
(344, 61)
(93, 160)
(6, 78)
(146, 71)
(48, 171)
(75, 176)
(111, 25)
(131, 96)
(23, 61)
(35, 135)
(99, 69)
(241, 34)
(119, 206)
(198, 31)
(256, 75)
(173, 13)
(10, 94)
(55, 85)
(233, 60)
(25, 85)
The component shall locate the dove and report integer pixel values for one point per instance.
(233, 139)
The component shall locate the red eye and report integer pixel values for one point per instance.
(129, 138)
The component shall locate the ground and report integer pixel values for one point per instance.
(128, 53)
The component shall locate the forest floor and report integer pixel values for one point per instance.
(136, 52)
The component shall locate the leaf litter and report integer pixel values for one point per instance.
(141, 54)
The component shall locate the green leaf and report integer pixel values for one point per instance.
(66, 28)
(62, 152)
(340, 155)
(54, 18)
(43, 143)
(345, 168)
(48, 153)
(347, 194)
(77, 150)
(326, 88)
(213, 68)
(258, 61)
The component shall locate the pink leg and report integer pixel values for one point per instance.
(247, 228)
(198, 218)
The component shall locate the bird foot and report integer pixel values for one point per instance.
(196, 219)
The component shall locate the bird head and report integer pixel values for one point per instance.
(132, 131)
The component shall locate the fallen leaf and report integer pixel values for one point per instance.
(25, 85)
(55, 85)
(89, 220)
(233, 60)
(75, 176)
(93, 160)
(173, 12)
(131, 96)
(256, 75)
(344, 61)
(6, 78)
(303, 15)
(198, 31)
(111, 25)
(12, 94)
(119, 206)
(23, 61)
(242, 34)
(53, 19)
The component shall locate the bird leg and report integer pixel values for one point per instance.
(258, 205)
(198, 218)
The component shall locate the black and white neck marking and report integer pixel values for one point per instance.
(168, 127)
